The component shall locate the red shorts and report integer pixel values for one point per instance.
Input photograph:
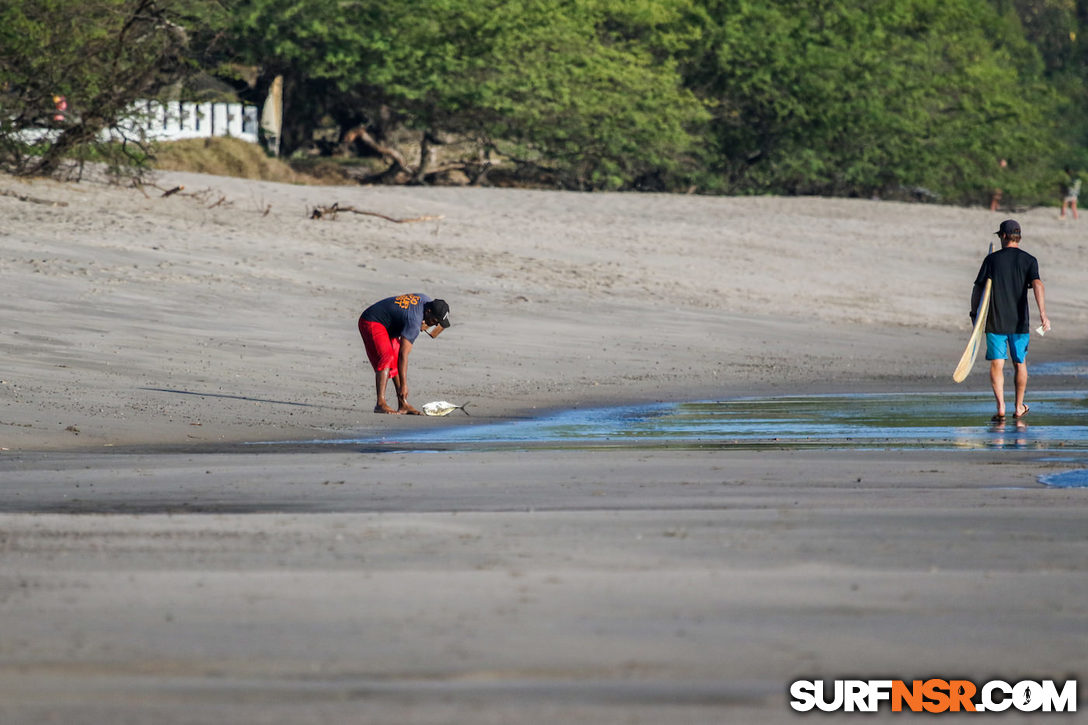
(382, 351)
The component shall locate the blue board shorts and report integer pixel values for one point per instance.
(998, 346)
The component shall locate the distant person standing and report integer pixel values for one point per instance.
(389, 328)
(1072, 191)
(1008, 330)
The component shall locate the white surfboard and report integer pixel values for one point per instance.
(967, 360)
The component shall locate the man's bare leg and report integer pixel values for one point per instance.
(403, 408)
(1021, 370)
(997, 382)
(381, 380)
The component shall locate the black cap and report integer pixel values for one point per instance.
(441, 312)
(1008, 228)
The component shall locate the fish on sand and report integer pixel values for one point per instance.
(441, 407)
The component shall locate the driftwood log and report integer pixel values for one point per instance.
(330, 212)
(400, 171)
(359, 134)
(204, 196)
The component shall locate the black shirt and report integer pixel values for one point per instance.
(1012, 270)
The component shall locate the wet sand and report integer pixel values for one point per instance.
(154, 569)
(588, 586)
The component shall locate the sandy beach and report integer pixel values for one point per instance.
(156, 569)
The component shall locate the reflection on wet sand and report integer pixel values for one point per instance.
(1010, 435)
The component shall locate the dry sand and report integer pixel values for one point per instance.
(152, 320)
(151, 571)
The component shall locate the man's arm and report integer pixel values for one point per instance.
(402, 378)
(1040, 300)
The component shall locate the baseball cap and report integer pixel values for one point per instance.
(1008, 228)
(441, 311)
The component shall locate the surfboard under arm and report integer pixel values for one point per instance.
(967, 361)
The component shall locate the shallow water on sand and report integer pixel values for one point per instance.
(1057, 421)
(1067, 479)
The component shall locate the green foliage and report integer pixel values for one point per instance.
(100, 56)
(854, 97)
(1055, 28)
(563, 84)
(824, 98)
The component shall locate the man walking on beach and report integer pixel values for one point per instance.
(1008, 330)
(389, 328)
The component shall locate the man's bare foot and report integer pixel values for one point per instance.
(1021, 411)
(383, 408)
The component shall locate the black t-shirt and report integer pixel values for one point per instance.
(1012, 270)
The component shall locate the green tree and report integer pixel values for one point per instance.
(1049, 25)
(556, 84)
(869, 97)
(322, 48)
(1057, 29)
(100, 56)
(591, 88)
